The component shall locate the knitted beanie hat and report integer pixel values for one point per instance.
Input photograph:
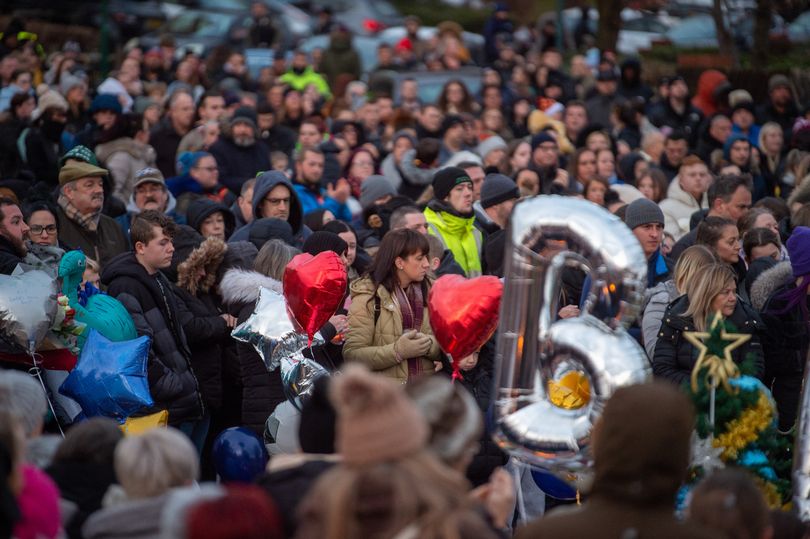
(798, 246)
(642, 211)
(321, 241)
(498, 188)
(376, 421)
(447, 178)
(24, 397)
(373, 188)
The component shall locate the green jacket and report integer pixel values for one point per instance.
(460, 236)
(309, 76)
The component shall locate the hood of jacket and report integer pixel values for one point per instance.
(631, 73)
(129, 145)
(705, 95)
(171, 204)
(242, 286)
(732, 138)
(199, 210)
(768, 282)
(208, 256)
(641, 451)
(264, 184)
(676, 193)
(133, 518)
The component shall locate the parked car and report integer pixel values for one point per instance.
(362, 17)
(432, 82)
(799, 30)
(700, 31)
(639, 28)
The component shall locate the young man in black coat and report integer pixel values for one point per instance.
(134, 278)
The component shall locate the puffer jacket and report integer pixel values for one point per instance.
(786, 341)
(675, 356)
(261, 391)
(150, 301)
(658, 298)
(124, 157)
(678, 208)
(372, 343)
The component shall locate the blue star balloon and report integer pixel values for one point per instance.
(110, 377)
(239, 455)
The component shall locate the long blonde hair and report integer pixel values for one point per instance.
(376, 501)
(691, 261)
(702, 290)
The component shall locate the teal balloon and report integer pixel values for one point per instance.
(103, 313)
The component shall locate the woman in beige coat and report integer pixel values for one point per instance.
(389, 330)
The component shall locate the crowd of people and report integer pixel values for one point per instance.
(189, 185)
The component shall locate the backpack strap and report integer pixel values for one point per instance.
(376, 309)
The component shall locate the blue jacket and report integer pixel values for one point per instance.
(310, 201)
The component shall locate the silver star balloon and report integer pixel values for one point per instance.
(705, 455)
(298, 373)
(266, 327)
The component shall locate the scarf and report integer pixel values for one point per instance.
(87, 222)
(411, 305)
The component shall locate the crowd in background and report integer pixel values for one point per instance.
(189, 184)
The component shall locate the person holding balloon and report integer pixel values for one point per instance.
(390, 331)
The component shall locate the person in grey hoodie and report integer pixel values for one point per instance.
(274, 196)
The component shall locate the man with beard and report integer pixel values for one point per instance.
(545, 161)
(149, 192)
(12, 235)
(238, 153)
(81, 223)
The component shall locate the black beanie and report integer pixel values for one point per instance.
(316, 431)
(498, 188)
(322, 241)
(446, 179)
(268, 228)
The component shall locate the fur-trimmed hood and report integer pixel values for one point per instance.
(209, 255)
(242, 286)
(779, 275)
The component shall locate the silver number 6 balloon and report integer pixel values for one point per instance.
(547, 234)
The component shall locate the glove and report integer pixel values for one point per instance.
(412, 344)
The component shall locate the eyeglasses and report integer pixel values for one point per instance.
(36, 230)
(277, 201)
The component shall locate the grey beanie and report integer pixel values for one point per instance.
(490, 144)
(374, 187)
(498, 188)
(24, 397)
(641, 212)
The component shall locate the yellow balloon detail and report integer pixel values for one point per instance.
(138, 425)
(570, 392)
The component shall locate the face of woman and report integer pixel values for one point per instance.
(401, 146)
(647, 188)
(213, 226)
(520, 158)
(586, 167)
(765, 251)
(596, 142)
(766, 220)
(596, 193)
(728, 246)
(362, 165)
(605, 165)
(773, 141)
(455, 94)
(351, 252)
(412, 268)
(726, 300)
(42, 226)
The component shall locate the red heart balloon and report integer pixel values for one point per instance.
(464, 313)
(314, 287)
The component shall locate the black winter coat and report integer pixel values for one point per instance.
(237, 164)
(675, 356)
(206, 332)
(165, 140)
(151, 302)
(9, 258)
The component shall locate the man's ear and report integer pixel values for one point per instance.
(435, 263)
(139, 247)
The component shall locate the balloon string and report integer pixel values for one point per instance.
(37, 371)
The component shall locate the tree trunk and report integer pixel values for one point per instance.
(762, 26)
(610, 22)
(725, 41)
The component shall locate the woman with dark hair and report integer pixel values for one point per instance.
(124, 150)
(595, 190)
(653, 185)
(581, 169)
(456, 99)
(357, 259)
(362, 164)
(786, 313)
(722, 237)
(42, 223)
(390, 331)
